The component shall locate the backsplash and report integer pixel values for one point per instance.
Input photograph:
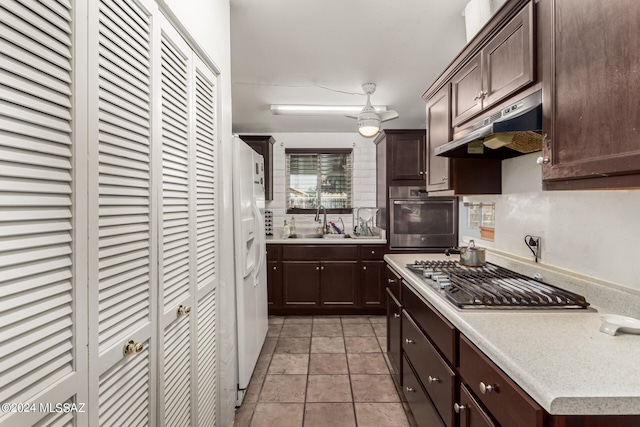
(364, 176)
(592, 233)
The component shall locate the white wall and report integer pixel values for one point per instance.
(594, 233)
(364, 174)
(208, 21)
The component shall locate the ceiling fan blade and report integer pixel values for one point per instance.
(352, 116)
(387, 115)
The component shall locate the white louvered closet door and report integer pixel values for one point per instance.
(177, 214)
(188, 245)
(42, 352)
(204, 137)
(123, 242)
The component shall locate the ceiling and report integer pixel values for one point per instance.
(322, 51)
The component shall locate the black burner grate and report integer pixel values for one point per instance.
(492, 286)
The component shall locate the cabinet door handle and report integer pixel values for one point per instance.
(542, 160)
(409, 341)
(411, 390)
(373, 252)
(458, 408)
(322, 268)
(364, 268)
(275, 267)
(391, 280)
(317, 268)
(486, 388)
(396, 315)
(433, 379)
(421, 173)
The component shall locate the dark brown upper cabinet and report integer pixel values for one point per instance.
(446, 176)
(503, 66)
(263, 145)
(591, 82)
(404, 151)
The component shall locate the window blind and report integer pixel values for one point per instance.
(317, 178)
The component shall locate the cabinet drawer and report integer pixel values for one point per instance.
(434, 373)
(372, 252)
(273, 252)
(319, 252)
(423, 411)
(471, 414)
(442, 333)
(394, 335)
(393, 282)
(508, 404)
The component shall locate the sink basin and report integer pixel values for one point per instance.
(335, 236)
(365, 237)
(305, 236)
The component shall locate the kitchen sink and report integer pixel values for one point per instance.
(319, 236)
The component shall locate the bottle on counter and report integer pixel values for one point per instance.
(292, 227)
(285, 230)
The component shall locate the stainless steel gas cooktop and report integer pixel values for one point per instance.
(493, 287)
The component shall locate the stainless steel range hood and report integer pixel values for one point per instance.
(513, 131)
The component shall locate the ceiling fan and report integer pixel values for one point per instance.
(368, 120)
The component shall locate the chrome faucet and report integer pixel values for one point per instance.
(325, 227)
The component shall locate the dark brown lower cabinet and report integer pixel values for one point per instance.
(423, 410)
(338, 283)
(471, 414)
(319, 283)
(306, 279)
(273, 284)
(372, 284)
(394, 335)
(300, 283)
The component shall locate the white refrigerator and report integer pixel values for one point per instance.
(250, 260)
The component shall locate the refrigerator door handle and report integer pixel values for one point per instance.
(261, 246)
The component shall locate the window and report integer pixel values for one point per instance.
(318, 177)
(482, 216)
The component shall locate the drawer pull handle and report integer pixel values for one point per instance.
(391, 280)
(487, 388)
(396, 315)
(373, 252)
(433, 379)
(458, 408)
(409, 341)
(411, 390)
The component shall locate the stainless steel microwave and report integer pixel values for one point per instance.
(421, 222)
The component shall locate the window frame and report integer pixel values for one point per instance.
(289, 151)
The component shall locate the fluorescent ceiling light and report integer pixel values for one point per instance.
(320, 110)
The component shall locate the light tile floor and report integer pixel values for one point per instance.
(323, 371)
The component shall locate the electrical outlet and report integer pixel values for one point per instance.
(534, 243)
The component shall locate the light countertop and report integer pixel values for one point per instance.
(559, 357)
(327, 241)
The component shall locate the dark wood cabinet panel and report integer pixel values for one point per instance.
(466, 91)
(273, 284)
(471, 414)
(301, 283)
(319, 252)
(438, 133)
(439, 330)
(338, 283)
(505, 65)
(407, 158)
(508, 404)
(590, 85)
(394, 283)
(436, 376)
(394, 334)
(263, 145)
(423, 410)
(372, 283)
(508, 59)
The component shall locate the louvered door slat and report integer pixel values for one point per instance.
(49, 16)
(207, 354)
(36, 192)
(124, 391)
(131, 30)
(176, 374)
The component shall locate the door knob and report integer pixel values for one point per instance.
(132, 347)
(183, 310)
